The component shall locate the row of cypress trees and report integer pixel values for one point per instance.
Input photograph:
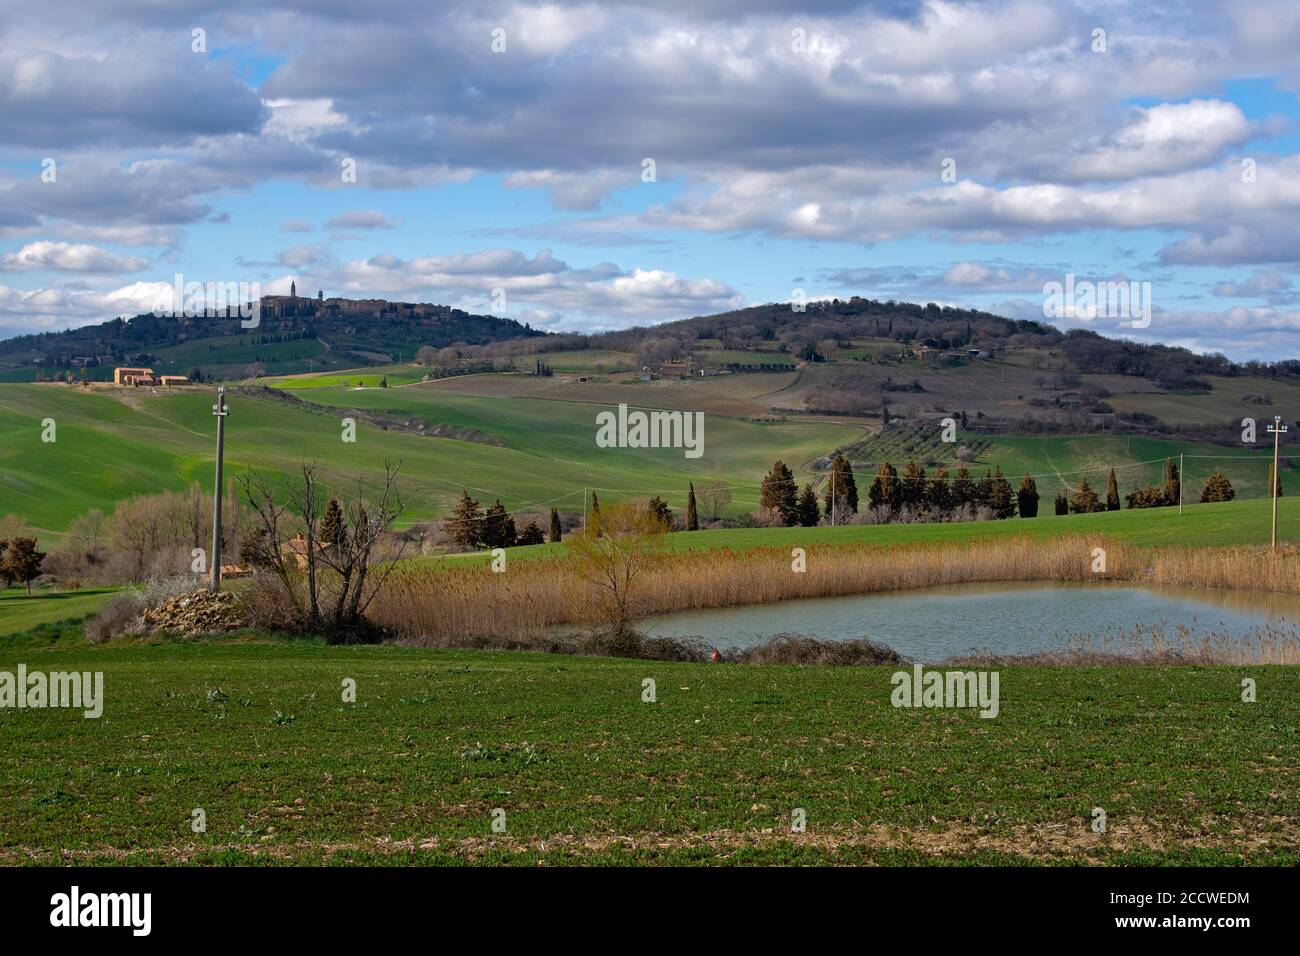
(933, 494)
(919, 492)
(471, 526)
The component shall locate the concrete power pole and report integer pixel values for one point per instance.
(220, 411)
(1278, 430)
(1182, 477)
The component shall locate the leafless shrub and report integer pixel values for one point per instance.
(117, 616)
(271, 608)
(799, 649)
(767, 518)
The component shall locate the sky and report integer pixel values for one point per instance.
(584, 167)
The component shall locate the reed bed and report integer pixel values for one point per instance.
(1245, 569)
(468, 605)
(527, 606)
(1269, 644)
(459, 605)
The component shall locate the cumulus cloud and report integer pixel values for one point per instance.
(1262, 282)
(602, 294)
(362, 219)
(825, 124)
(1161, 139)
(69, 257)
(28, 311)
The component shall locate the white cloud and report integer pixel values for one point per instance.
(363, 219)
(1163, 138)
(301, 119)
(1261, 282)
(67, 257)
(602, 294)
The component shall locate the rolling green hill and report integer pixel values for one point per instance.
(292, 335)
(112, 444)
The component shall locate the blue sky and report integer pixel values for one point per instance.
(795, 147)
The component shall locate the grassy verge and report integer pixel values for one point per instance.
(256, 735)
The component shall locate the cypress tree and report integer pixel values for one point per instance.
(1027, 498)
(938, 496)
(1062, 503)
(692, 517)
(1112, 492)
(498, 527)
(963, 490)
(465, 526)
(1001, 500)
(1171, 482)
(779, 493)
(984, 490)
(884, 492)
(556, 533)
(844, 488)
(808, 513)
(332, 527)
(911, 489)
(850, 485)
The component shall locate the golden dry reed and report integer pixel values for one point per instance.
(1267, 644)
(450, 604)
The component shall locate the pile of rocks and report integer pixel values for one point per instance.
(199, 612)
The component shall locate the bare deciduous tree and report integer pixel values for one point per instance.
(713, 498)
(339, 575)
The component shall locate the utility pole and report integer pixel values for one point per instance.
(1182, 476)
(220, 411)
(835, 504)
(1278, 430)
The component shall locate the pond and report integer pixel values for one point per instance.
(1004, 618)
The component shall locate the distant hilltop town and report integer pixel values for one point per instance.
(299, 307)
(290, 333)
